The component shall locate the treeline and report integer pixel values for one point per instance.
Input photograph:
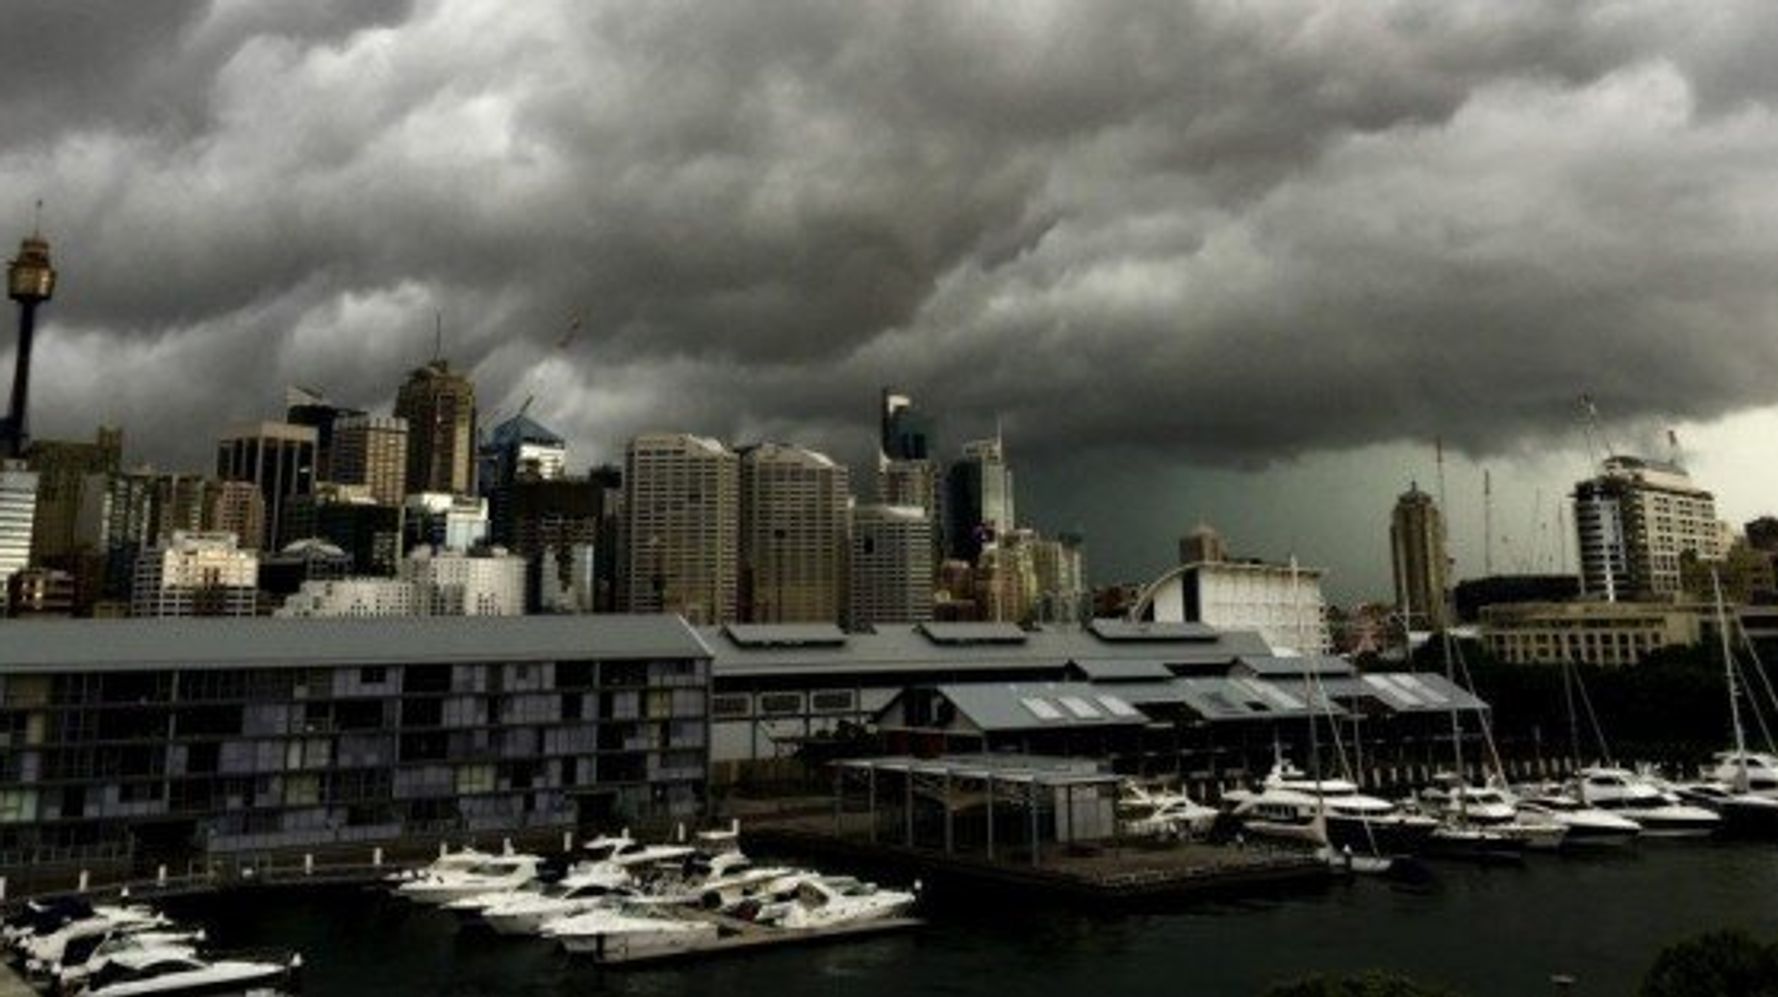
(1671, 709)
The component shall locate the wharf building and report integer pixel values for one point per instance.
(136, 743)
(793, 535)
(1419, 559)
(681, 527)
(1635, 523)
(1189, 700)
(277, 457)
(438, 405)
(1281, 602)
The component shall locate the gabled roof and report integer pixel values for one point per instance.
(1121, 670)
(995, 706)
(1405, 692)
(1294, 666)
(1149, 630)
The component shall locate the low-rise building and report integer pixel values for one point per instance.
(196, 574)
(1593, 633)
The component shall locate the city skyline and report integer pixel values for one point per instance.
(1184, 297)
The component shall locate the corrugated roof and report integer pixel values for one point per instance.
(974, 633)
(785, 634)
(995, 706)
(901, 648)
(106, 645)
(1115, 670)
(1289, 666)
(1128, 630)
(1406, 692)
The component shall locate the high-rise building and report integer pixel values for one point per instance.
(18, 517)
(793, 535)
(280, 459)
(555, 525)
(1203, 543)
(891, 565)
(906, 431)
(30, 281)
(1635, 522)
(682, 527)
(980, 498)
(521, 449)
(371, 451)
(1060, 564)
(487, 582)
(115, 524)
(196, 574)
(1419, 560)
(439, 406)
(441, 519)
(347, 517)
(372, 597)
(1006, 578)
(40, 593)
(238, 507)
(62, 467)
(307, 407)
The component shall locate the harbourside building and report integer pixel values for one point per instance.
(1282, 602)
(138, 743)
(1635, 523)
(1592, 633)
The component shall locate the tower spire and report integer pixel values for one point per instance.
(437, 336)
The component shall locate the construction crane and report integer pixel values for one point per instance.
(1594, 429)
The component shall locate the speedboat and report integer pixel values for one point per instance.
(40, 952)
(825, 901)
(504, 873)
(1583, 824)
(526, 912)
(175, 971)
(1329, 812)
(83, 958)
(629, 931)
(1160, 813)
(1659, 811)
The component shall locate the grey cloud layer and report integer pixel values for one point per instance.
(1219, 232)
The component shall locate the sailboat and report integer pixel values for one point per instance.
(1743, 787)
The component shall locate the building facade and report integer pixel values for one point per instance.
(682, 527)
(1283, 603)
(277, 457)
(62, 468)
(793, 535)
(438, 404)
(196, 574)
(18, 517)
(1635, 523)
(891, 565)
(144, 742)
(371, 451)
(488, 582)
(1589, 632)
(979, 498)
(1419, 559)
(440, 519)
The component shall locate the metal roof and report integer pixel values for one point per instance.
(1122, 630)
(108, 645)
(785, 634)
(1041, 769)
(974, 633)
(995, 706)
(1295, 666)
(1116, 670)
(906, 650)
(1405, 692)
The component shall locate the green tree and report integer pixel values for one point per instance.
(1368, 984)
(1716, 964)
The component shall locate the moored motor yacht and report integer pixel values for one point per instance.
(1583, 824)
(1494, 813)
(1744, 814)
(525, 913)
(447, 862)
(1331, 812)
(40, 952)
(1161, 813)
(503, 873)
(1659, 812)
(629, 931)
(83, 958)
(176, 971)
(824, 901)
(1752, 772)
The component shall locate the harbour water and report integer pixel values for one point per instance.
(1481, 930)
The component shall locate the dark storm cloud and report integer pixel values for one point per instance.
(1222, 233)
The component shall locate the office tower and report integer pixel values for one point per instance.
(18, 516)
(906, 431)
(182, 502)
(30, 281)
(196, 574)
(115, 524)
(39, 593)
(1060, 566)
(891, 565)
(487, 582)
(372, 451)
(280, 459)
(283, 573)
(520, 449)
(793, 535)
(608, 546)
(238, 507)
(347, 517)
(1203, 543)
(554, 524)
(439, 406)
(682, 527)
(1635, 522)
(307, 407)
(62, 467)
(1418, 558)
(450, 522)
(980, 496)
(381, 598)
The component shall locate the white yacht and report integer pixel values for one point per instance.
(173, 971)
(1742, 813)
(40, 952)
(504, 873)
(1493, 812)
(1160, 813)
(629, 931)
(525, 913)
(1583, 825)
(622, 854)
(825, 901)
(715, 881)
(1752, 772)
(447, 862)
(1330, 812)
(84, 958)
(1639, 798)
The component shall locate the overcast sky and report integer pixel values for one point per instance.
(1239, 261)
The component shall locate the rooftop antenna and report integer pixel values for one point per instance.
(37, 220)
(1487, 523)
(437, 336)
(1673, 451)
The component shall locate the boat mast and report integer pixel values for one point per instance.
(1450, 666)
(1728, 672)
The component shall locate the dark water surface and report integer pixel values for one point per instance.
(1481, 930)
